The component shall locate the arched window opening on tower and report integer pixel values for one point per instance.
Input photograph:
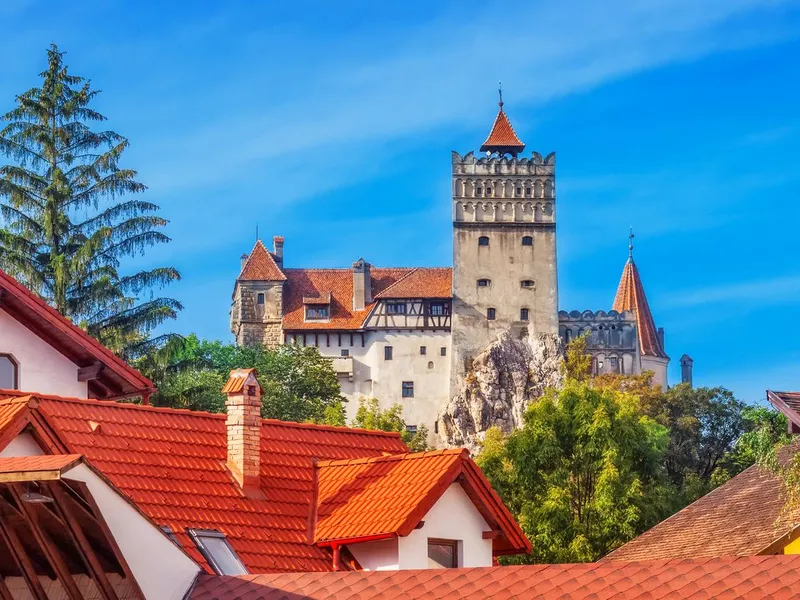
(527, 283)
(479, 191)
(527, 240)
(9, 372)
(528, 191)
(483, 240)
(491, 314)
(484, 282)
(260, 298)
(567, 335)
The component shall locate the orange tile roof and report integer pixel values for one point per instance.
(309, 283)
(755, 577)
(172, 465)
(32, 464)
(502, 138)
(236, 380)
(116, 378)
(630, 296)
(261, 266)
(429, 282)
(741, 517)
(389, 495)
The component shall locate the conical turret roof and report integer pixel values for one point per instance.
(502, 138)
(630, 296)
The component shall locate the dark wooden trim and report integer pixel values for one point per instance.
(101, 522)
(5, 593)
(48, 547)
(23, 561)
(91, 372)
(14, 362)
(83, 545)
(491, 534)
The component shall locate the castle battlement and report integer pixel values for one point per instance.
(597, 316)
(503, 165)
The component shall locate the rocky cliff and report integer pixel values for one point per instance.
(503, 380)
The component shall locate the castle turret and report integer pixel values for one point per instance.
(504, 244)
(631, 297)
(686, 369)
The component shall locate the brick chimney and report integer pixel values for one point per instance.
(244, 427)
(277, 249)
(362, 284)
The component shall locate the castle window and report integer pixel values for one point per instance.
(484, 282)
(443, 351)
(479, 191)
(523, 314)
(519, 191)
(412, 429)
(567, 335)
(315, 313)
(430, 364)
(488, 190)
(345, 353)
(396, 308)
(439, 309)
(483, 241)
(408, 389)
(423, 350)
(527, 240)
(528, 191)
(9, 372)
(387, 353)
(526, 283)
(491, 314)
(260, 298)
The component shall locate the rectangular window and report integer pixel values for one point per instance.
(317, 312)
(523, 314)
(439, 309)
(260, 298)
(387, 353)
(443, 351)
(345, 353)
(217, 552)
(442, 554)
(396, 308)
(491, 314)
(412, 429)
(423, 350)
(408, 389)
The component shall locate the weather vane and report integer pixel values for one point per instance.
(500, 91)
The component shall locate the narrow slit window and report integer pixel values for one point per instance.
(218, 552)
(491, 314)
(523, 314)
(387, 353)
(443, 351)
(260, 298)
(423, 350)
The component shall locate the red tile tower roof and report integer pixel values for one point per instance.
(630, 296)
(502, 138)
(752, 578)
(261, 266)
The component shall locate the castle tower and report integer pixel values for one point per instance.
(504, 245)
(630, 296)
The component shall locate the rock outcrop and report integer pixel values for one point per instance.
(504, 379)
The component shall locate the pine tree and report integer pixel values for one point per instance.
(66, 218)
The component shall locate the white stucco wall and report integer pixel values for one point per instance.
(162, 570)
(22, 445)
(374, 376)
(41, 368)
(453, 517)
(659, 368)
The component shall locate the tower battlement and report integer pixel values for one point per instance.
(536, 165)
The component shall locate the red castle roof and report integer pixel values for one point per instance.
(630, 296)
(502, 138)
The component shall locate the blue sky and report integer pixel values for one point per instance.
(332, 124)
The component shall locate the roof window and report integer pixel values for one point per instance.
(217, 551)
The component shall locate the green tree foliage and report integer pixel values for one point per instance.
(66, 221)
(299, 384)
(370, 416)
(584, 474)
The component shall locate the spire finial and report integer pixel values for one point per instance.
(500, 91)
(630, 243)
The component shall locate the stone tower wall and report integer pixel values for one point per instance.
(253, 323)
(505, 200)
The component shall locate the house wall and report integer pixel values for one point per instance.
(41, 368)
(22, 445)
(162, 570)
(792, 547)
(453, 517)
(375, 377)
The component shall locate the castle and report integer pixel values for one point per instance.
(408, 335)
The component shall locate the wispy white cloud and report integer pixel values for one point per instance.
(766, 292)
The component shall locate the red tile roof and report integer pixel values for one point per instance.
(755, 577)
(35, 464)
(310, 283)
(237, 379)
(787, 403)
(261, 266)
(172, 465)
(741, 517)
(502, 138)
(431, 282)
(630, 296)
(116, 378)
(391, 494)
